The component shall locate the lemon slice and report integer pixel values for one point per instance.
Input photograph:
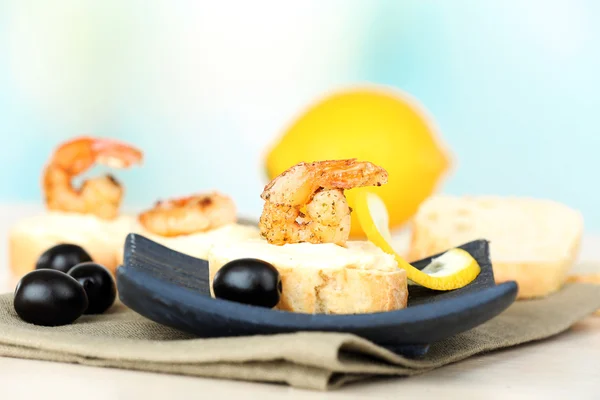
(452, 270)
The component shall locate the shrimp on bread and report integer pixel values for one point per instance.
(306, 224)
(87, 216)
(193, 224)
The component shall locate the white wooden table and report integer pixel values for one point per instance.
(567, 366)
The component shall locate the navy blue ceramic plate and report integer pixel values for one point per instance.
(173, 289)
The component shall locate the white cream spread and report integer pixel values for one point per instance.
(198, 244)
(76, 228)
(357, 254)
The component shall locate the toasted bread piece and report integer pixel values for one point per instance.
(30, 237)
(325, 278)
(534, 242)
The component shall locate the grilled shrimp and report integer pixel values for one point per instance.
(98, 196)
(187, 215)
(306, 203)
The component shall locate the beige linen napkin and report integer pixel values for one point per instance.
(123, 339)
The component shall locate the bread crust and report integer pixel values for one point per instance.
(347, 290)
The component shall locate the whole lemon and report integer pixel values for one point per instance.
(374, 124)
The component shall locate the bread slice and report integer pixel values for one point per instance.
(30, 237)
(534, 242)
(325, 278)
(197, 244)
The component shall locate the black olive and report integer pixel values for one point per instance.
(99, 285)
(62, 257)
(50, 298)
(249, 281)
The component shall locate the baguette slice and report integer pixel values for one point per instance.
(534, 242)
(30, 237)
(325, 278)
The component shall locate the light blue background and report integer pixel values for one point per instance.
(204, 88)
